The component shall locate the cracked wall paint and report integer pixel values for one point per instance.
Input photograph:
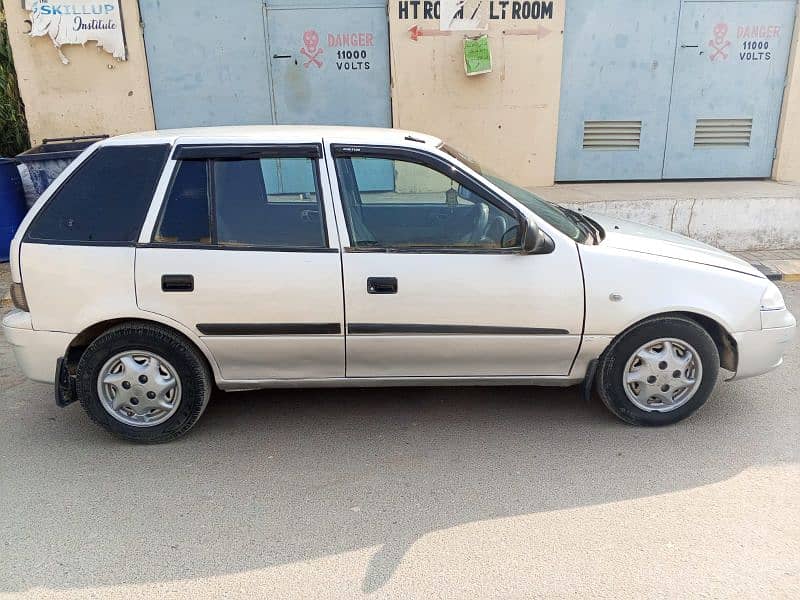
(78, 22)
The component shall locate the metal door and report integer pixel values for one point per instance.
(207, 62)
(618, 60)
(330, 64)
(728, 88)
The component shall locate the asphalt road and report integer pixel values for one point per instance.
(451, 493)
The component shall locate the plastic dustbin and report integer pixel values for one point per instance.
(45, 162)
(12, 204)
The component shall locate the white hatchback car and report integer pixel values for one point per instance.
(161, 263)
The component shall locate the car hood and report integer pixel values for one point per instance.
(627, 235)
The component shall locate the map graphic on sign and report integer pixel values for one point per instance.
(78, 22)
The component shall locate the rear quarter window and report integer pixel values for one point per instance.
(105, 200)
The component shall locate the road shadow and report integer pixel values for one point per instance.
(269, 478)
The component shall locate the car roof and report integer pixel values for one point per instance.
(277, 134)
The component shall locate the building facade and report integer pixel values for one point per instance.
(570, 90)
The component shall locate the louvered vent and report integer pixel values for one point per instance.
(612, 135)
(722, 132)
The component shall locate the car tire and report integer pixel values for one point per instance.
(147, 361)
(658, 372)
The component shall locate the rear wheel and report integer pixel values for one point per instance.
(143, 382)
(659, 372)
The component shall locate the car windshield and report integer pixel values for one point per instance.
(568, 222)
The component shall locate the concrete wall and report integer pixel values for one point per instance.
(94, 94)
(787, 162)
(506, 119)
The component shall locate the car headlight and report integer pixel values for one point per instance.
(772, 298)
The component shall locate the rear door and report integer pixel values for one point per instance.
(248, 259)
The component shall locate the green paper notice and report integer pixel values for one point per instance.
(477, 56)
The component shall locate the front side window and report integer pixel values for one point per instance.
(252, 202)
(105, 200)
(417, 206)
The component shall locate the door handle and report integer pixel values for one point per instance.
(281, 56)
(177, 283)
(690, 46)
(382, 285)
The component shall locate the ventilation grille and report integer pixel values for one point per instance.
(612, 135)
(722, 132)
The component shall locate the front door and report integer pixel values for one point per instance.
(249, 261)
(730, 72)
(433, 284)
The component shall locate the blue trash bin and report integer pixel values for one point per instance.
(46, 161)
(12, 204)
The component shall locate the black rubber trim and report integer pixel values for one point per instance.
(195, 246)
(269, 328)
(65, 393)
(398, 328)
(428, 250)
(210, 151)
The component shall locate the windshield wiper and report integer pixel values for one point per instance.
(588, 226)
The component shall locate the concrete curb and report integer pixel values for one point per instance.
(775, 272)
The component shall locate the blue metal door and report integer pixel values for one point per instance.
(330, 62)
(330, 66)
(207, 62)
(615, 90)
(672, 89)
(728, 88)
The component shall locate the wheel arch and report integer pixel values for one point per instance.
(724, 341)
(82, 340)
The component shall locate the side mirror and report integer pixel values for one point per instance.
(533, 240)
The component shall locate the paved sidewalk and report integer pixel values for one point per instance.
(5, 284)
(778, 265)
(732, 215)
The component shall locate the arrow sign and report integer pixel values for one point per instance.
(540, 32)
(417, 32)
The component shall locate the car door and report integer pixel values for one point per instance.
(435, 284)
(243, 252)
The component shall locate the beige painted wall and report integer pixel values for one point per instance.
(506, 119)
(94, 94)
(787, 162)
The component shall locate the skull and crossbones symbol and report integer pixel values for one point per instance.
(311, 49)
(719, 44)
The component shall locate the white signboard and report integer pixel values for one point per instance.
(463, 15)
(78, 22)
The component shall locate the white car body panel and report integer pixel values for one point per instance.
(252, 287)
(626, 235)
(70, 288)
(652, 285)
(73, 287)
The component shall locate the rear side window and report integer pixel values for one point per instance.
(186, 216)
(105, 200)
(268, 203)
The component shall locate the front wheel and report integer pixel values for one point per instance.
(143, 382)
(659, 372)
